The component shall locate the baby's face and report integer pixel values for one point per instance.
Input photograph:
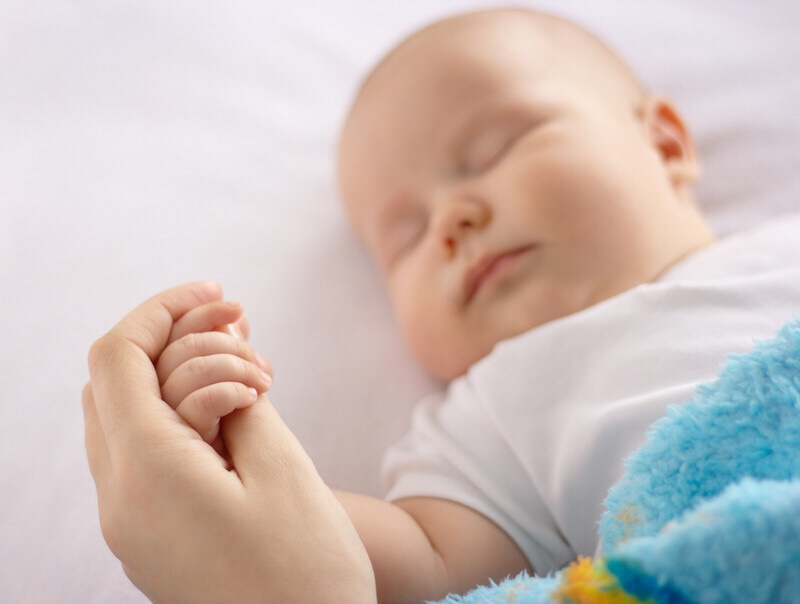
(500, 185)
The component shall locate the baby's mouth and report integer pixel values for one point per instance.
(488, 269)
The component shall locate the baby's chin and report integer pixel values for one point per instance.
(441, 366)
(447, 364)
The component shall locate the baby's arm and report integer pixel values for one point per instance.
(208, 370)
(424, 548)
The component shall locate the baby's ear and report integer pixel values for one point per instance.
(668, 134)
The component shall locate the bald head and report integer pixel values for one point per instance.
(542, 36)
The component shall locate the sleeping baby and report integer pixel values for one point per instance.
(529, 205)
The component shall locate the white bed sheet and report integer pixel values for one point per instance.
(150, 143)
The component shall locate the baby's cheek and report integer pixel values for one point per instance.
(446, 347)
(433, 329)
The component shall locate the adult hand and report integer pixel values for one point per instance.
(187, 527)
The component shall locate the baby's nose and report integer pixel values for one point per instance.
(458, 217)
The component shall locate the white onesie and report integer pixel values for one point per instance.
(535, 434)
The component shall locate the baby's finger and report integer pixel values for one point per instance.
(205, 344)
(208, 317)
(203, 408)
(200, 372)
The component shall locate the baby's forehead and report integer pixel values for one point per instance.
(456, 36)
(541, 38)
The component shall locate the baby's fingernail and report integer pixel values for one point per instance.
(234, 331)
(260, 361)
(266, 378)
(252, 394)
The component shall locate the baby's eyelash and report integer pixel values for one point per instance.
(412, 241)
(497, 151)
(409, 241)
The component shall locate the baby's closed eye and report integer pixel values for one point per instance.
(407, 235)
(491, 144)
(401, 227)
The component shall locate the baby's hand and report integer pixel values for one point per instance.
(208, 370)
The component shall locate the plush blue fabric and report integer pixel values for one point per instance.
(743, 546)
(708, 510)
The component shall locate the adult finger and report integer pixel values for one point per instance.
(124, 381)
